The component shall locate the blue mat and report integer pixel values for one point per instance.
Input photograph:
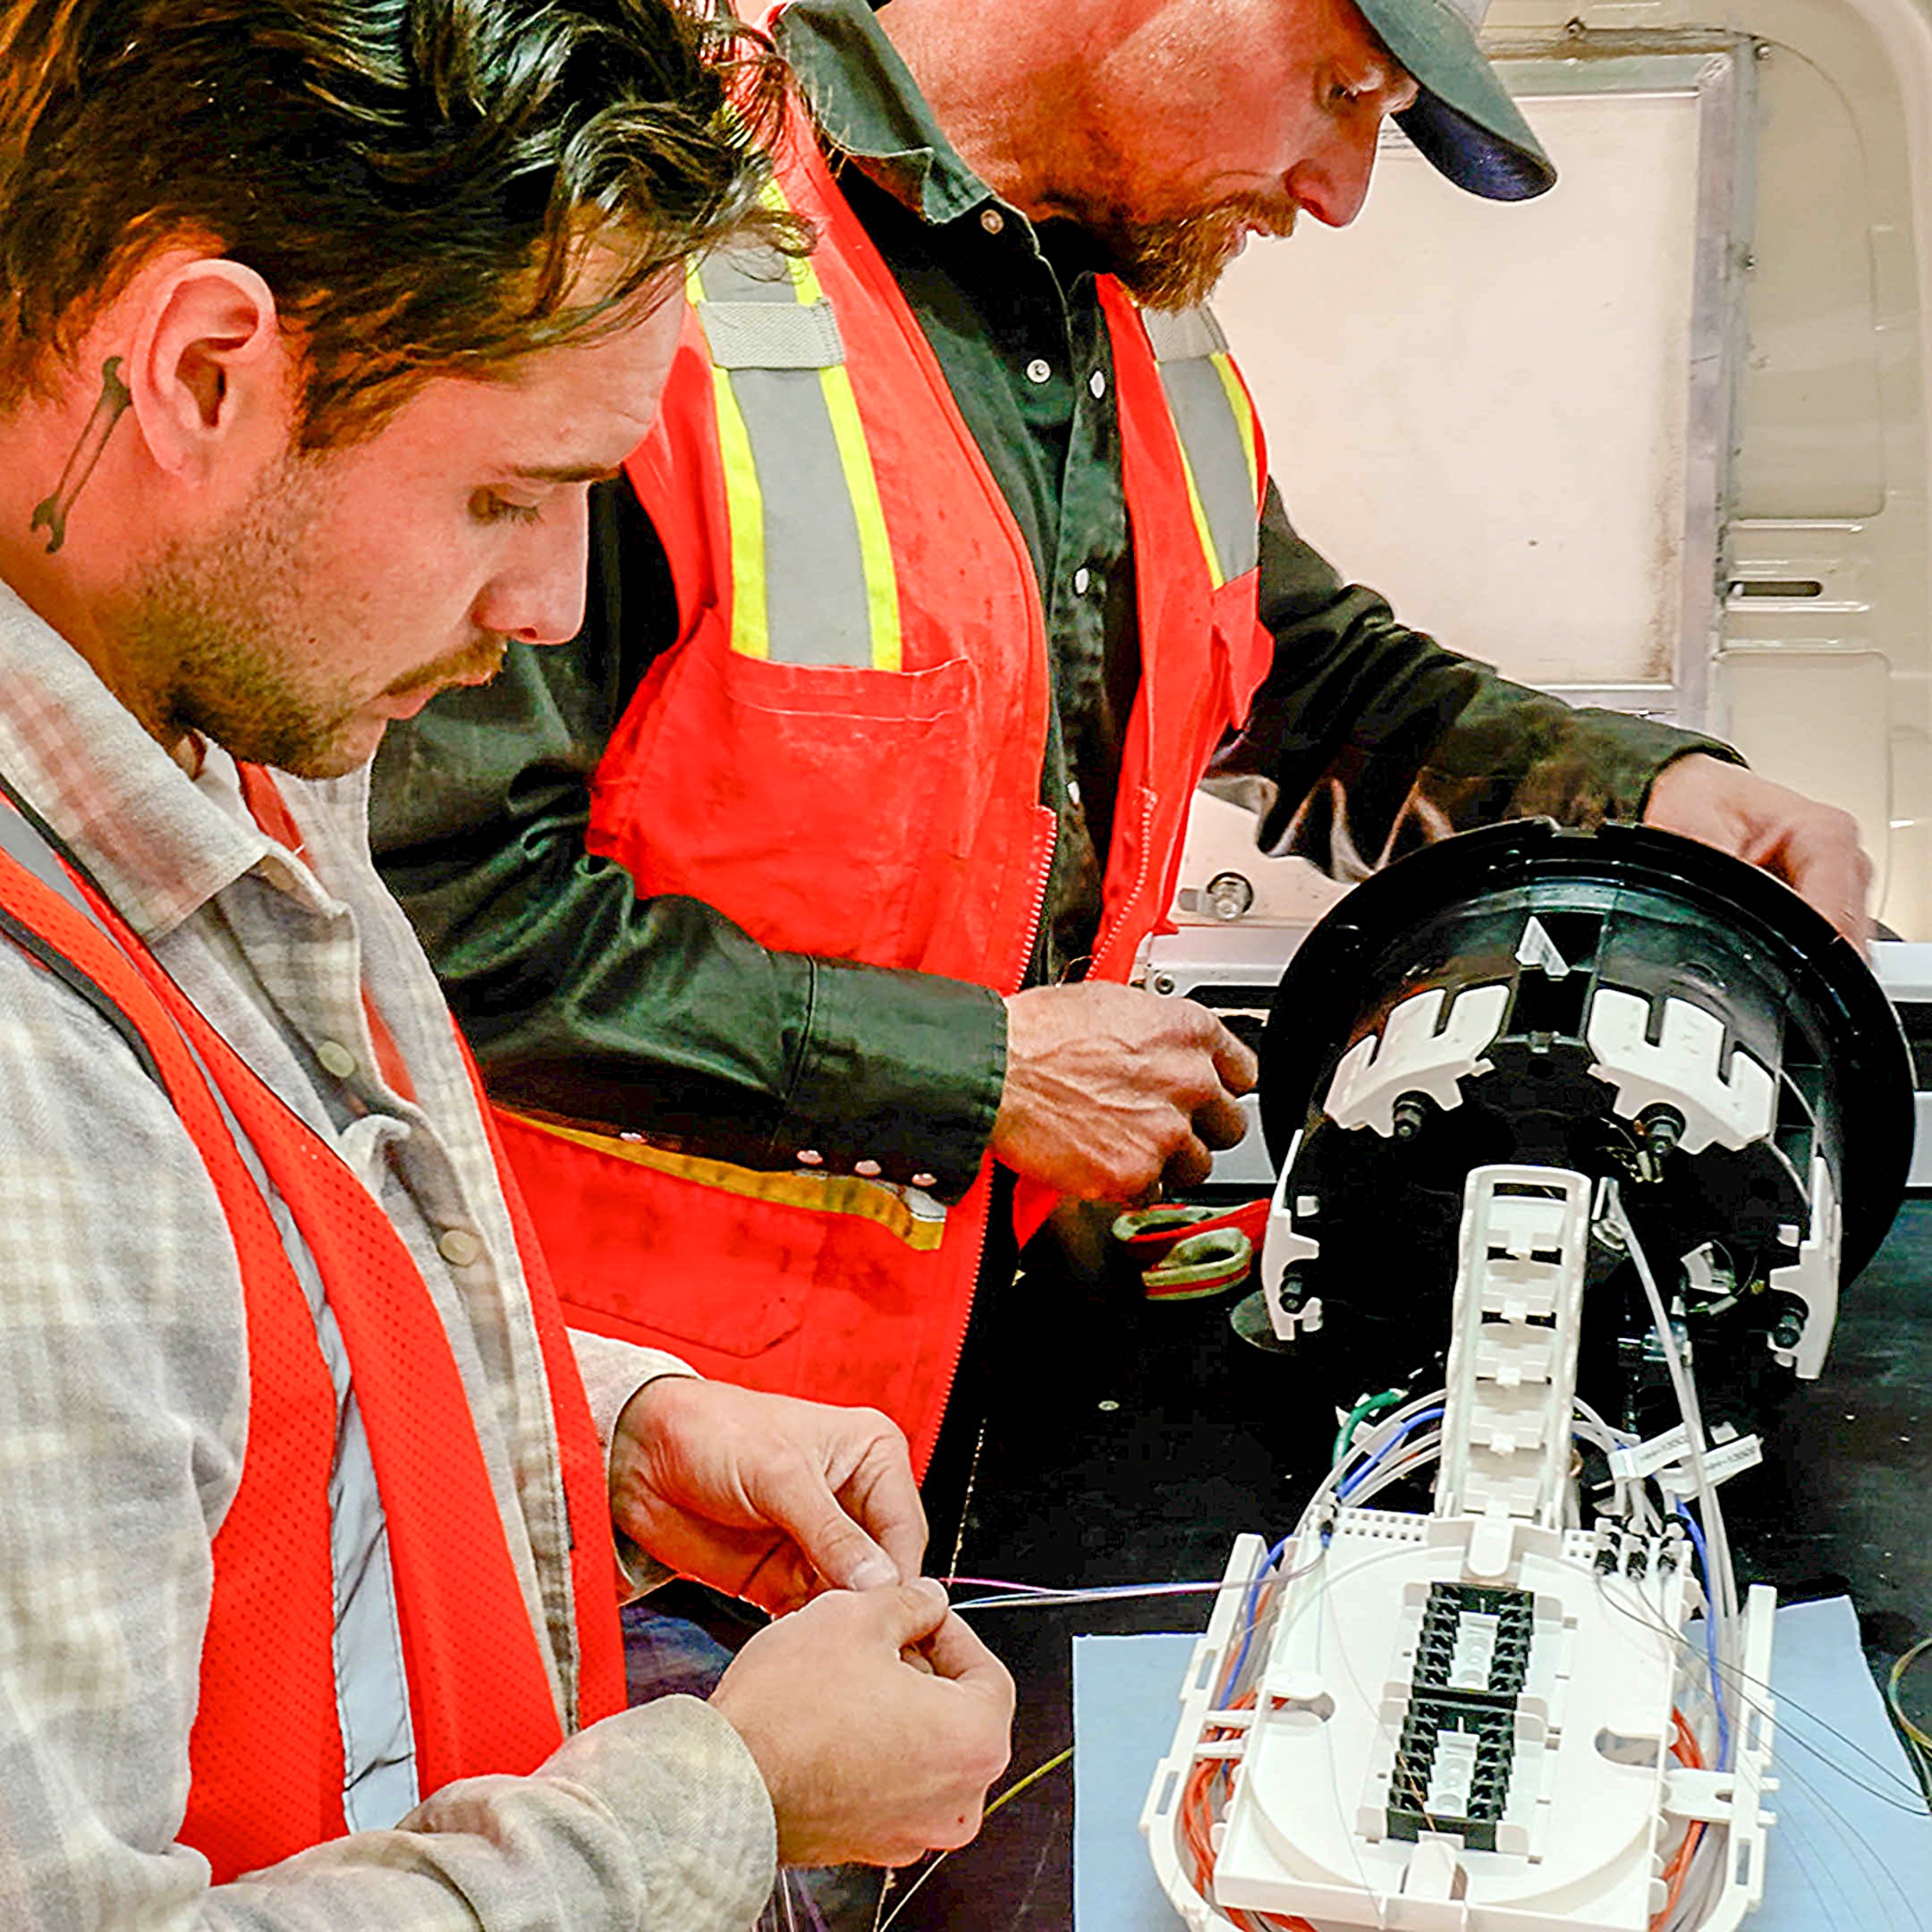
(1847, 1853)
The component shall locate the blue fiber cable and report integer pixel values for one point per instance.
(1347, 1488)
(1351, 1483)
(1711, 1633)
(1248, 1610)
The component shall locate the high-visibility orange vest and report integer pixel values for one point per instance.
(266, 1751)
(843, 752)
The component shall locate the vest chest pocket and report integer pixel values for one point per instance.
(819, 806)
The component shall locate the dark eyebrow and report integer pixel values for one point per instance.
(566, 472)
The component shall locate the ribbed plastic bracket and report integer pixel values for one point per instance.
(1512, 1356)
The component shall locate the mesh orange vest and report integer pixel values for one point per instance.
(265, 1753)
(843, 752)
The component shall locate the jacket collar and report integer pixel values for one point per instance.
(869, 108)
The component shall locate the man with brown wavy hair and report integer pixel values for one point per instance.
(317, 319)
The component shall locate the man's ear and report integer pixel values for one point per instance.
(208, 370)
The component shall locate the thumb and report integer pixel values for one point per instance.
(796, 1499)
(1235, 1062)
(911, 1613)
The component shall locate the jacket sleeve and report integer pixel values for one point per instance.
(660, 1015)
(1366, 739)
(612, 1372)
(123, 1411)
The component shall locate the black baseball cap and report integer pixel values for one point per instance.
(1463, 119)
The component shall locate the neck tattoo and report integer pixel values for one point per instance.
(51, 513)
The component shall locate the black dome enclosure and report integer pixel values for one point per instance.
(1634, 1005)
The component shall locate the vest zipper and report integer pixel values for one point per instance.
(957, 1349)
(1149, 803)
(867, 265)
(1041, 879)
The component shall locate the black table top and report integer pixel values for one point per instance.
(1124, 1442)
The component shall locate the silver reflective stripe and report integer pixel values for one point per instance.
(1187, 346)
(372, 1703)
(773, 347)
(753, 274)
(754, 318)
(815, 581)
(1183, 337)
(1206, 420)
(30, 852)
(371, 1688)
(759, 335)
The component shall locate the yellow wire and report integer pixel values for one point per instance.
(1917, 1740)
(1052, 1764)
(1012, 1791)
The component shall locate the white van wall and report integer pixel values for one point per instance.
(1494, 415)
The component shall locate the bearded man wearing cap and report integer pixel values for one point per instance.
(789, 909)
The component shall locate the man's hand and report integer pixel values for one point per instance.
(1110, 1091)
(1813, 848)
(763, 1496)
(870, 1759)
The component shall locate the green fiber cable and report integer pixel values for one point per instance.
(1369, 1405)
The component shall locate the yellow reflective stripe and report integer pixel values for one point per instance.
(744, 501)
(1243, 413)
(1200, 515)
(876, 1201)
(744, 493)
(744, 505)
(804, 277)
(868, 514)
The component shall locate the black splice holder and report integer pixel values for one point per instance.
(1488, 1716)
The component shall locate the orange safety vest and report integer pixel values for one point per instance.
(266, 1751)
(843, 753)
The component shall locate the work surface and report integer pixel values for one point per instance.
(1129, 1443)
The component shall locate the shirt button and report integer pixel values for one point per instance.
(992, 220)
(1082, 577)
(335, 1059)
(1039, 370)
(1073, 791)
(809, 1157)
(868, 1168)
(925, 1180)
(1096, 385)
(459, 1246)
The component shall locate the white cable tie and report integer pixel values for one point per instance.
(1746, 1452)
(1647, 1458)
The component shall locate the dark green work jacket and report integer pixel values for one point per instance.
(582, 1000)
